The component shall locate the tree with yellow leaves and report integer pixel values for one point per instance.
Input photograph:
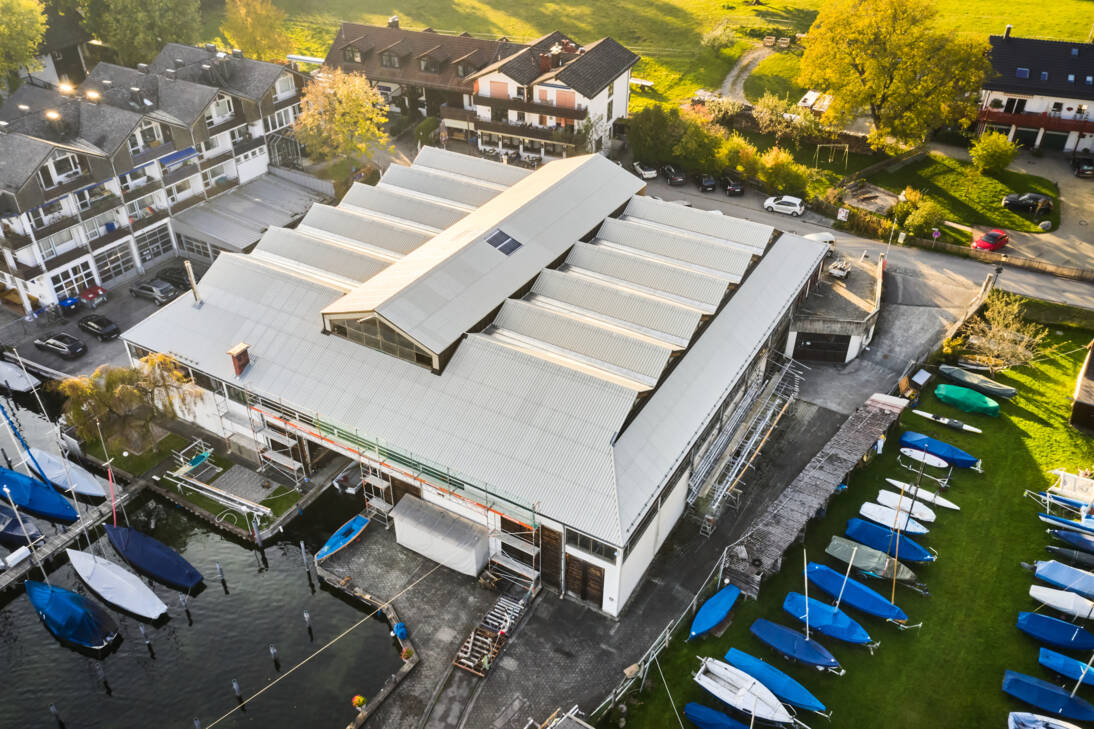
(125, 402)
(256, 27)
(341, 115)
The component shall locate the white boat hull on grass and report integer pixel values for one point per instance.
(13, 378)
(1065, 602)
(923, 494)
(923, 457)
(1024, 720)
(66, 475)
(741, 691)
(906, 503)
(116, 585)
(891, 518)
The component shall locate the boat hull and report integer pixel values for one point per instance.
(891, 518)
(1075, 539)
(1074, 556)
(865, 559)
(116, 585)
(1025, 720)
(741, 691)
(952, 455)
(1068, 603)
(917, 509)
(924, 495)
(825, 619)
(14, 379)
(1065, 577)
(793, 644)
(71, 617)
(34, 498)
(948, 422)
(783, 686)
(885, 539)
(1066, 666)
(977, 382)
(342, 537)
(854, 593)
(14, 533)
(66, 476)
(1055, 632)
(154, 558)
(1046, 696)
(705, 717)
(967, 400)
(714, 610)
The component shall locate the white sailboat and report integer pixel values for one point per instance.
(1024, 720)
(891, 518)
(924, 495)
(741, 691)
(1072, 486)
(15, 379)
(65, 474)
(906, 503)
(1066, 602)
(116, 585)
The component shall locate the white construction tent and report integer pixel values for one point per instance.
(440, 535)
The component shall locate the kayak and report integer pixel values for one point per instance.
(948, 422)
(922, 494)
(885, 539)
(977, 382)
(950, 454)
(917, 509)
(966, 400)
(714, 611)
(1055, 632)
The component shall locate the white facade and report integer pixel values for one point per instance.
(1034, 118)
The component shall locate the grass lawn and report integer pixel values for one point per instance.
(947, 674)
(283, 499)
(776, 73)
(138, 463)
(828, 165)
(666, 33)
(944, 180)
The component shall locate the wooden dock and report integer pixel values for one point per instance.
(51, 546)
(759, 553)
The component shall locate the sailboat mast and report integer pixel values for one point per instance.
(23, 527)
(896, 558)
(850, 564)
(805, 561)
(1082, 675)
(109, 475)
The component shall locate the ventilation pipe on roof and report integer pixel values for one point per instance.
(179, 63)
(393, 22)
(211, 47)
(142, 67)
(544, 62)
(236, 53)
(169, 73)
(241, 357)
(194, 284)
(1007, 30)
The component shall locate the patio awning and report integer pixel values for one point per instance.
(178, 156)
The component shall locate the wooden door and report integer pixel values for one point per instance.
(584, 580)
(400, 487)
(550, 557)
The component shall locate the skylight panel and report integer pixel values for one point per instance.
(1022, 73)
(503, 242)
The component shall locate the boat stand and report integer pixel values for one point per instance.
(904, 626)
(943, 483)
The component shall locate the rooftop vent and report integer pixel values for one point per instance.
(107, 83)
(179, 63)
(236, 53)
(169, 73)
(211, 47)
(1007, 30)
(241, 357)
(393, 21)
(142, 67)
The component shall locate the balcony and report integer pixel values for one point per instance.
(222, 185)
(148, 185)
(223, 125)
(100, 205)
(247, 144)
(286, 100)
(530, 107)
(57, 223)
(189, 202)
(560, 135)
(106, 239)
(147, 217)
(12, 238)
(75, 183)
(189, 169)
(150, 153)
(220, 155)
(1046, 120)
(63, 259)
(456, 113)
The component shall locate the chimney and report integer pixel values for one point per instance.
(393, 22)
(544, 62)
(210, 48)
(179, 63)
(142, 67)
(1007, 30)
(236, 53)
(241, 357)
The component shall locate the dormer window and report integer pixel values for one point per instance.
(351, 54)
(284, 86)
(148, 134)
(61, 169)
(1071, 78)
(429, 65)
(218, 111)
(464, 69)
(1022, 73)
(1044, 75)
(389, 60)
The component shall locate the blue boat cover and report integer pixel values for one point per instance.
(1066, 666)
(154, 558)
(855, 594)
(826, 619)
(343, 536)
(884, 538)
(784, 687)
(714, 610)
(1086, 524)
(1078, 540)
(178, 156)
(1065, 577)
(11, 532)
(705, 717)
(34, 498)
(72, 617)
(951, 454)
(1055, 631)
(1046, 696)
(400, 631)
(793, 644)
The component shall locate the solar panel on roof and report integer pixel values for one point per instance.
(503, 242)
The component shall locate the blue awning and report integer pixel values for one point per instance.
(179, 156)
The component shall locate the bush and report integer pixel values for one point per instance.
(762, 31)
(993, 152)
(902, 210)
(912, 195)
(924, 218)
(780, 173)
(720, 36)
(423, 133)
(737, 153)
(722, 111)
(698, 147)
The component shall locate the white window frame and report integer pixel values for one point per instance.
(285, 86)
(174, 191)
(219, 110)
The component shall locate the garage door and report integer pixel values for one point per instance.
(1026, 137)
(821, 347)
(1054, 141)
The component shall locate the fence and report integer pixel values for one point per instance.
(1032, 264)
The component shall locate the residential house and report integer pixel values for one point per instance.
(94, 180)
(525, 98)
(1040, 92)
(63, 53)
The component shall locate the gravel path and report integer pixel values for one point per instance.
(733, 87)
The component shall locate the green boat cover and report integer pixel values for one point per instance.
(977, 381)
(970, 401)
(868, 559)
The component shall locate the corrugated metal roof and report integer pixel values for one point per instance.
(476, 168)
(585, 337)
(437, 185)
(439, 291)
(344, 223)
(346, 260)
(392, 203)
(700, 290)
(650, 447)
(722, 227)
(701, 251)
(651, 312)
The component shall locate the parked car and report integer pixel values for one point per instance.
(785, 204)
(176, 276)
(156, 290)
(61, 344)
(673, 176)
(824, 237)
(706, 182)
(993, 240)
(99, 326)
(1028, 202)
(645, 171)
(732, 185)
(1082, 166)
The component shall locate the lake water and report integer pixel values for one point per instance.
(188, 674)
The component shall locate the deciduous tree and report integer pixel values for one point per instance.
(256, 27)
(1002, 335)
(992, 152)
(653, 133)
(697, 149)
(138, 29)
(22, 24)
(341, 115)
(890, 60)
(126, 401)
(780, 173)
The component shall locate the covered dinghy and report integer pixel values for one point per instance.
(977, 381)
(440, 535)
(950, 454)
(966, 400)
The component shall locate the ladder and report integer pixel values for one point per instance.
(377, 487)
(490, 635)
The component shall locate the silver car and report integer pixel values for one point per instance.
(785, 204)
(156, 290)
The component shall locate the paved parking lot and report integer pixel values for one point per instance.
(121, 308)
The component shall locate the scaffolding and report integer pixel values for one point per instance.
(273, 449)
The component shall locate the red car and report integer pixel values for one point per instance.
(993, 240)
